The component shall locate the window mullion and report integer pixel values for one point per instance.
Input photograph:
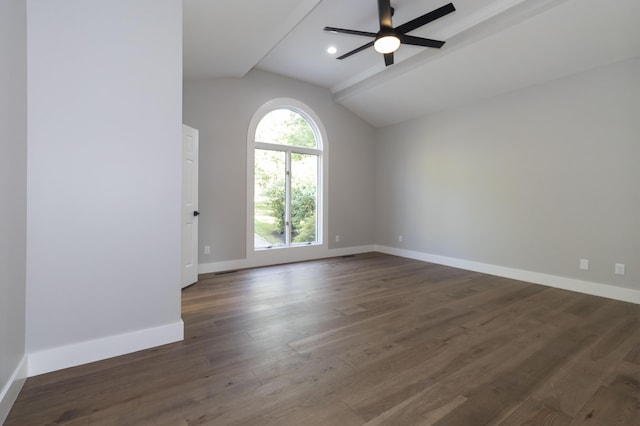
(288, 198)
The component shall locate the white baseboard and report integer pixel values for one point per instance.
(11, 389)
(206, 268)
(587, 287)
(95, 350)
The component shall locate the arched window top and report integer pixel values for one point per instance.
(285, 126)
(264, 125)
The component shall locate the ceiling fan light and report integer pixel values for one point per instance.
(387, 44)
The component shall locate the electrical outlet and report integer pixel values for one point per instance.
(619, 269)
(207, 249)
(400, 238)
(584, 264)
(337, 238)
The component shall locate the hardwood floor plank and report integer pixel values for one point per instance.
(570, 388)
(163, 404)
(634, 355)
(611, 405)
(368, 339)
(424, 407)
(533, 412)
(507, 388)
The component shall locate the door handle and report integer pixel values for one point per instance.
(196, 213)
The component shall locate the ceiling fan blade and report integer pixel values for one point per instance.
(419, 41)
(353, 32)
(354, 51)
(388, 59)
(384, 12)
(426, 18)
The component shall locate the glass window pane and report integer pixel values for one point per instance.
(304, 198)
(269, 199)
(286, 127)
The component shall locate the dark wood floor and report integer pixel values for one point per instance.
(372, 339)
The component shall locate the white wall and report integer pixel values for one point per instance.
(533, 180)
(103, 256)
(13, 198)
(221, 110)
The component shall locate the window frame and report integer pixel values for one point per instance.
(285, 253)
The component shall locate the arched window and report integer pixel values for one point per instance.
(287, 147)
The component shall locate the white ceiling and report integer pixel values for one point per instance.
(492, 46)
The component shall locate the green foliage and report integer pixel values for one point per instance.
(307, 231)
(264, 224)
(298, 132)
(303, 209)
(275, 193)
(303, 213)
(286, 127)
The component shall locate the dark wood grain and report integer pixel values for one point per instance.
(369, 339)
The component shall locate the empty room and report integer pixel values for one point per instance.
(320, 212)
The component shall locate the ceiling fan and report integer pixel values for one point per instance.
(388, 39)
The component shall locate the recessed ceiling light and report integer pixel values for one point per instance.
(332, 50)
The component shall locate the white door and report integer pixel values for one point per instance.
(189, 205)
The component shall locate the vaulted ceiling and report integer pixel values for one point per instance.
(492, 47)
